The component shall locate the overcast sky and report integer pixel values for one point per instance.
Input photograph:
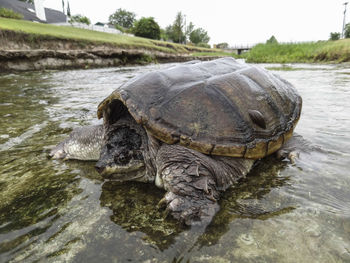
(234, 22)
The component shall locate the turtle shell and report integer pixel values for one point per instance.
(220, 107)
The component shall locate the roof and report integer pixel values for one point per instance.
(52, 16)
(107, 24)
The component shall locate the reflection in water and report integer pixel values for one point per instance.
(54, 211)
(134, 207)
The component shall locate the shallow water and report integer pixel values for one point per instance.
(63, 211)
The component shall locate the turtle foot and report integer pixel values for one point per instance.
(188, 210)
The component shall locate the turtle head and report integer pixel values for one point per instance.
(121, 155)
(124, 146)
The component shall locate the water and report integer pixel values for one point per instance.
(54, 211)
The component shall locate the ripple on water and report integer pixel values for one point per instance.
(24, 136)
(64, 212)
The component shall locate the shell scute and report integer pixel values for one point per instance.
(220, 107)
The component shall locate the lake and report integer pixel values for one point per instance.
(56, 211)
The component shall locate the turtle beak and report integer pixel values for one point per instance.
(100, 167)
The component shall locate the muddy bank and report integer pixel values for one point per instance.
(38, 59)
(22, 52)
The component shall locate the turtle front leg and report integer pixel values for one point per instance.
(190, 181)
(194, 181)
(191, 195)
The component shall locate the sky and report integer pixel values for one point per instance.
(234, 22)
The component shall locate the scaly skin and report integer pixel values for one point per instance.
(193, 181)
(83, 143)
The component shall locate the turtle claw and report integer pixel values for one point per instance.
(162, 203)
(190, 211)
(293, 156)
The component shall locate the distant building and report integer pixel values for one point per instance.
(99, 26)
(107, 25)
(35, 12)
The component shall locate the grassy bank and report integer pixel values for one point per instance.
(217, 53)
(42, 31)
(321, 51)
(36, 34)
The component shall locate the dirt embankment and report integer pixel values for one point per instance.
(22, 52)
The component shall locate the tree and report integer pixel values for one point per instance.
(178, 32)
(122, 18)
(68, 10)
(272, 40)
(199, 35)
(334, 36)
(163, 35)
(80, 19)
(147, 27)
(189, 30)
(169, 32)
(222, 45)
(175, 31)
(347, 31)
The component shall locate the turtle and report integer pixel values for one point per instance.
(195, 129)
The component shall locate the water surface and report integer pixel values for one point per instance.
(54, 211)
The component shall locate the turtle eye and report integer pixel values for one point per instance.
(137, 155)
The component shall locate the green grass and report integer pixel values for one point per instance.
(38, 30)
(338, 51)
(321, 51)
(8, 13)
(309, 52)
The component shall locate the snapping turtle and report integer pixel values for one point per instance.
(195, 129)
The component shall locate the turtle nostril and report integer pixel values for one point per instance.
(123, 159)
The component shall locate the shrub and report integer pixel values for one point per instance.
(147, 27)
(347, 31)
(272, 40)
(203, 45)
(199, 35)
(80, 19)
(8, 13)
(334, 36)
(222, 45)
